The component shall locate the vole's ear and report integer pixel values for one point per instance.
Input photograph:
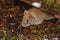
(25, 11)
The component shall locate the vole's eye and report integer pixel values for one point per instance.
(27, 20)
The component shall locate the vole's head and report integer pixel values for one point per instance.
(26, 19)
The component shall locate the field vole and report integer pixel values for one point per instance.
(35, 16)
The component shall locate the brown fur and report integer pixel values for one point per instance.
(34, 16)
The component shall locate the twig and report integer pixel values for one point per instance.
(30, 3)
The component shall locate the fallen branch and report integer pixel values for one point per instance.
(30, 3)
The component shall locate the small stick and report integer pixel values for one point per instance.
(30, 3)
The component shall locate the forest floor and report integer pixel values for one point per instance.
(11, 15)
